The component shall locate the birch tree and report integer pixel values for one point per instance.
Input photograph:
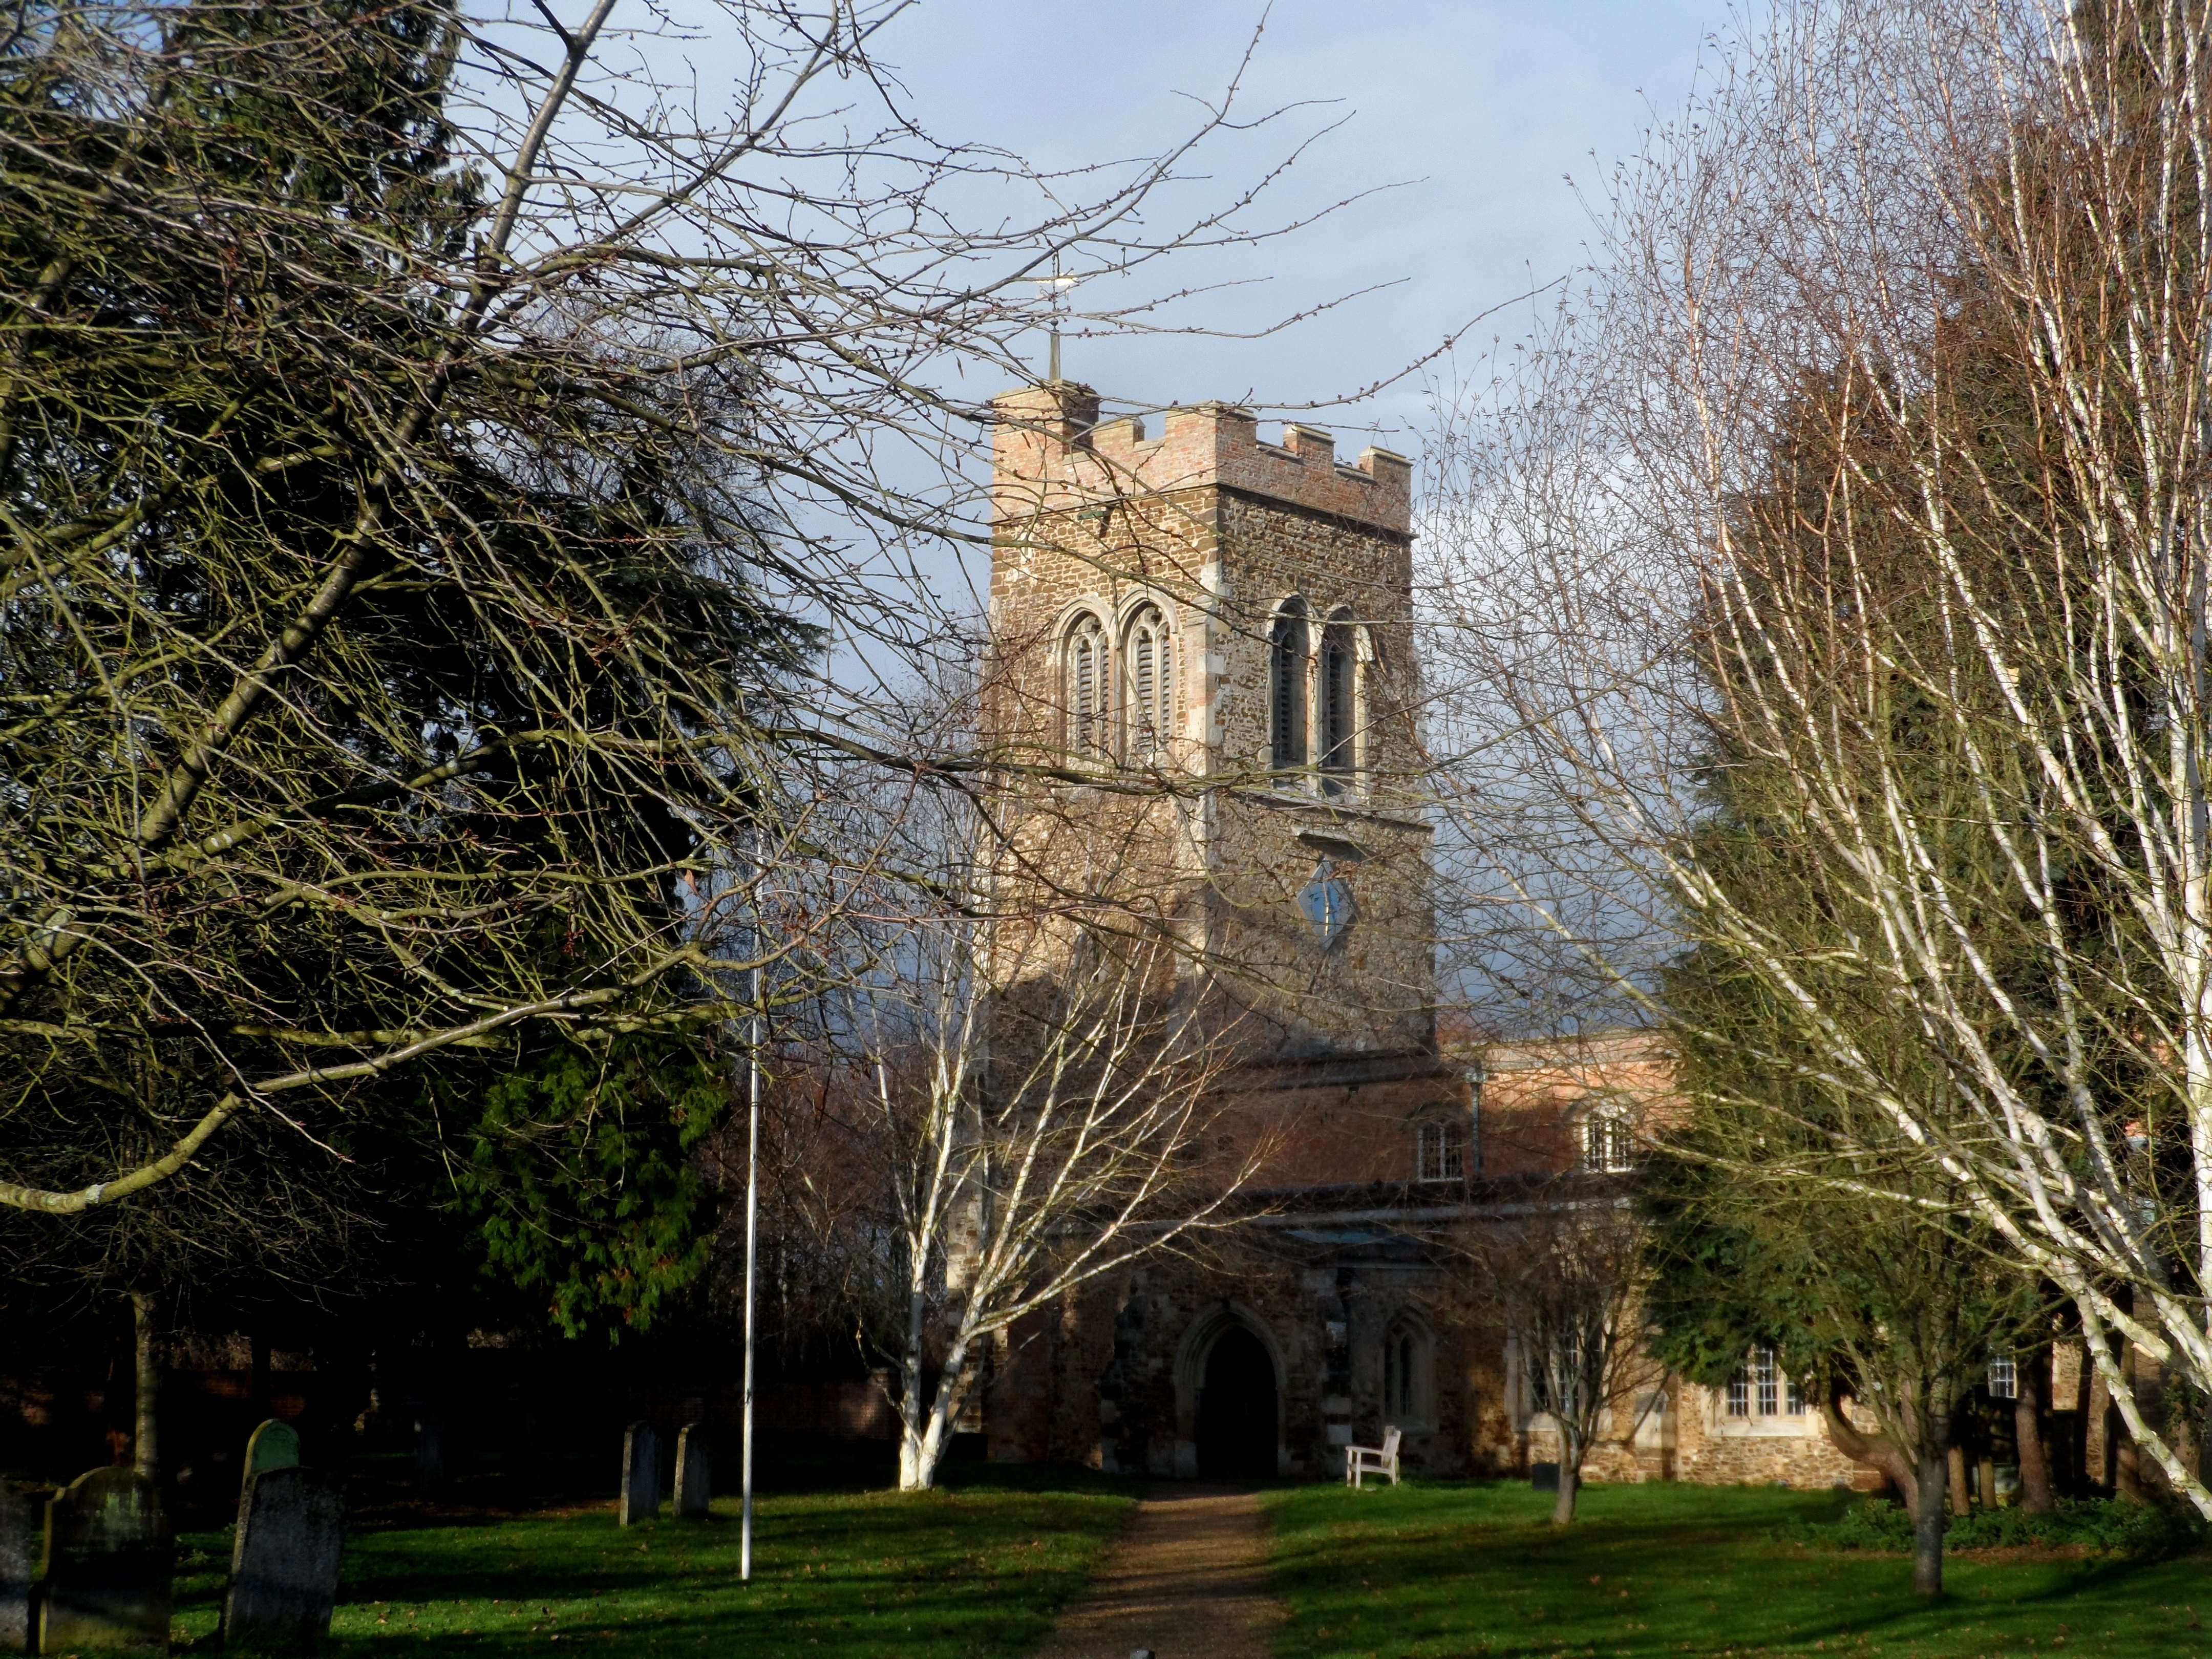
(1975, 245)
(1040, 1106)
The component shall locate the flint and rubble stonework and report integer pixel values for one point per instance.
(1340, 1066)
(1218, 531)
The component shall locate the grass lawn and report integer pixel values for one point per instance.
(976, 1570)
(1468, 1569)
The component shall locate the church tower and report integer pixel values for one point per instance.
(1202, 652)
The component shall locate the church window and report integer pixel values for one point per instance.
(1760, 1387)
(1442, 1150)
(2004, 1379)
(1608, 1147)
(1088, 676)
(1339, 667)
(1150, 672)
(1405, 1372)
(1540, 1373)
(1286, 687)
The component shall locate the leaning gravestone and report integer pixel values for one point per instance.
(694, 1471)
(274, 1445)
(106, 1566)
(19, 1563)
(284, 1565)
(641, 1486)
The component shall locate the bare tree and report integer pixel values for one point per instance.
(438, 453)
(1967, 249)
(1036, 1114)
(1566, 1273)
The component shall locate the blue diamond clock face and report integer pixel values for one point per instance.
(1326, 903)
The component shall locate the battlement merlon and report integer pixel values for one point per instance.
(1051, 453)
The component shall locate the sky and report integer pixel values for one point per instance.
(1476, 110)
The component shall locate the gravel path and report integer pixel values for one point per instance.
(1187, 1580)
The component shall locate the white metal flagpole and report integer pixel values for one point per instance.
(752, 1250)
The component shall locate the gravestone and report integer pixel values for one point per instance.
(105, 1566)
(429, 1454)
(284, 1562)
(19, 1561)
(274, 1445)
(1544, 1477)
(695, 1472)
(640, 1480)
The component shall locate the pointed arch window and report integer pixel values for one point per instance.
(1286, 687)
(1089, 674)
(1338, 689)
(1405, 1379)
(1149, 670)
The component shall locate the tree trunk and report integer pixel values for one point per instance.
(923, 1436)
(2036, 1496)
(914, 1474)
(1960, 1503)
(925, 1443)
(1571, 1482)
(146, 1441)
(2127, 1464)
(1928, 1523)
(1573, 1450)
(1876, 1451)
(2126, 1458)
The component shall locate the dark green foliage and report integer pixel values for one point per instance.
(1790, 1209)
(2111, 1525)
(577, 1178)
(239, 369)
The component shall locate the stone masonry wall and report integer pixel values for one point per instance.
(1218, 530)
(1148, 1332)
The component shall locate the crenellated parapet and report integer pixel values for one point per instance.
(1051, 453)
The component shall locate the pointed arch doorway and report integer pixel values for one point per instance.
(1238, 1408)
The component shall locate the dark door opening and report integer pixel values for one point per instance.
(1236, 1410)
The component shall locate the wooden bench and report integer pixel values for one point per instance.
(1360, 1461)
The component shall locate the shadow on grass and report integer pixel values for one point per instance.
(977, 1568)
(1477, 1569)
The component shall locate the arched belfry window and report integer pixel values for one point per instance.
(1089, 680)
(1340, 704)
(1286, 686)
(1148, 670)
